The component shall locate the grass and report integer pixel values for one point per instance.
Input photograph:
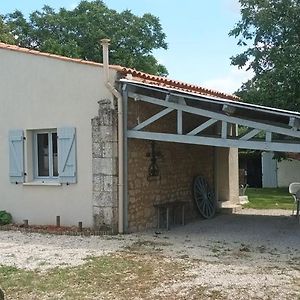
(120, 276)
(140, 272)
(269, 198)
(105, 277)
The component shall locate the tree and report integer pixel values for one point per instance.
(76, 33)
(5, 35)
(269, 30)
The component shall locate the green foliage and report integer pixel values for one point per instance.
(5, 35)
(5, 217)
(76, 33)
(269, 31)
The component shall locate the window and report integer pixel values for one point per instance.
(45, 154)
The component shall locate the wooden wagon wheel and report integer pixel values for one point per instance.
(204, 197)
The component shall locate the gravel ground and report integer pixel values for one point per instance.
(42, 251)
(254, 254)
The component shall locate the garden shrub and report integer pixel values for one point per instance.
(5, 217)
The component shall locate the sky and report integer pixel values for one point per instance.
(199, 48)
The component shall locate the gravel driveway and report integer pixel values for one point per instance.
(249, 255)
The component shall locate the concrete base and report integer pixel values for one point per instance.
(227, 207)
(243, 200)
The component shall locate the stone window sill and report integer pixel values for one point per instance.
(42, 183)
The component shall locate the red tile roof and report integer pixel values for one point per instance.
(166, 82)
(136, 75)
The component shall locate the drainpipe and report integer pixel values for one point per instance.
(115, 92)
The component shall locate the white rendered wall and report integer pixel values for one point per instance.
(38, 92)
(269, 170)
(288, 172)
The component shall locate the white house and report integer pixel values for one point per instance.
(43, 96)
(104, 144)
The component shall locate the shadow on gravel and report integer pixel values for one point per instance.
(278, 231)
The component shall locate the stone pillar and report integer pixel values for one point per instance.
(105, 173)
(227, 174)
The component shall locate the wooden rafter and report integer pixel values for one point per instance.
(226, 118)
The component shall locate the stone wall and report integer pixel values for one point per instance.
(105, 180)
(178, 165)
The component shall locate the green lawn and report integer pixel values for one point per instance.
(269, 198)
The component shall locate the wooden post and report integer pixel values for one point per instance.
(58, 221)
(168, 218)
(80, 226)
(25, 223)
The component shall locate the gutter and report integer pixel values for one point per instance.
(115, 93)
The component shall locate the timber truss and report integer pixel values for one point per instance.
(263, 128)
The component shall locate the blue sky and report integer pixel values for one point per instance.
(197, 36)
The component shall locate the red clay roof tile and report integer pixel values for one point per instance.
(166, 82)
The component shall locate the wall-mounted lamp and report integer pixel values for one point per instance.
(153, 170)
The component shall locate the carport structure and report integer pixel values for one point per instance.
(190, 131)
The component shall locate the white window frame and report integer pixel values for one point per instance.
(50, 155)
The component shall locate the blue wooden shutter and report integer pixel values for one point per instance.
(16, 156)
(67, 154)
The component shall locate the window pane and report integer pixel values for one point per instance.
(54, 153)
(43, 158)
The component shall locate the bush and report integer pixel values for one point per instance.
(5, 217)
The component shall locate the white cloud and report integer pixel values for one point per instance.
(231, 82)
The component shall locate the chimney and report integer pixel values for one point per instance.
(105, 45)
